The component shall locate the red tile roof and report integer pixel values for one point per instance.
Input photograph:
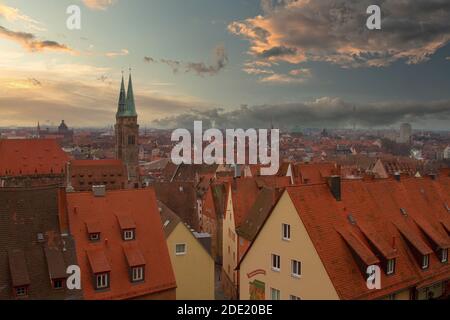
(134, 255)
(245, 192)
(371, 218)
(140, 207)
(98, 261)
(31, 156)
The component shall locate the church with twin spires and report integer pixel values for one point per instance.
(127, 132)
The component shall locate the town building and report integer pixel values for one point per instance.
(35, 251)
(247, 200)
(319, 241)
(405, 133)
(192, 263)
(84, 174)
(62, 134)
(31, 162)
(120, 243)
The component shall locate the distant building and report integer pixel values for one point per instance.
(84, 174)
(63, 134)
(405, 133)
(127, 133)
(447, 153)
(120, 244)
(31, 162)
(35, 251)
(192, 263)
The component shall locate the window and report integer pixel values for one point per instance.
(296, 269)
(276, 263)
(102, 281)
(286, 232)
(58, 284)
(94, 237)
(128, 235)
(294, 298)
(275, 294)
(137, 274)
(21, 291)
(425, 262)
(180, 249)
(390, 267)
(131, 140)
(444, 255)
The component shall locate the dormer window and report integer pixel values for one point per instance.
(127, 227)
(93, 230)
(21, 292)
(444, 255)
(58, 284)
(102, 281)
(425, 262)
(390, 268)
(94, 237)
(137, 274)
(129, 234)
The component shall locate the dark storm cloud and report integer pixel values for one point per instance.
(278, 51)
(220, 61)
(324, 112)
(335, 31)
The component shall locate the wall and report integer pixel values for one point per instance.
(194, 272)
(314, 283)
(229, 250)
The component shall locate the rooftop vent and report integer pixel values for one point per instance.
(99, 190)
(351, 219)
(404, 212)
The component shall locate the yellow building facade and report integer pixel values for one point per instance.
(260, 281)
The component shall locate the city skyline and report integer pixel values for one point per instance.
(240, 64)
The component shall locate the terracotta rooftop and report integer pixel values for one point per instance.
(377, 220)
(31, 157)
(118, 210)
(32, 250)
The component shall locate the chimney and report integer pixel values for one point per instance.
(99, 191)
(334, 183)
(69, 187)
(397, 176)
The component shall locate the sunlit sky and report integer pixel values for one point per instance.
(239, 62)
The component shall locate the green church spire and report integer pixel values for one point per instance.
(130, 108)
(122, 99)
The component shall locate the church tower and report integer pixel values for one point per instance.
(127, 132)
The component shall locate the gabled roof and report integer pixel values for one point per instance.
(169, 219)
(115, 254)
(375, 221)
(31, 157)
(377, 230)
(245, 192)
(258, 213)
(32, 250)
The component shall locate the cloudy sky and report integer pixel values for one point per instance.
(240, 63)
